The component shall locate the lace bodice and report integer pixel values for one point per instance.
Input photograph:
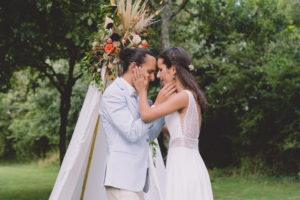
(184, 133)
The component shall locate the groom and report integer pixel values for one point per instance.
(127, 136)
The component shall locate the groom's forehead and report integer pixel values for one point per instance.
(150, 62)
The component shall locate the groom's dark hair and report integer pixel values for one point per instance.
(138, 55)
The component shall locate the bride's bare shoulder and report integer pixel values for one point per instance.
(180, 97)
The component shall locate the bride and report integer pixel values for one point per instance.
(187, 176)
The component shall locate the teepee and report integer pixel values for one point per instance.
(80, 179)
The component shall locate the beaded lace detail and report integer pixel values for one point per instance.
(184, 142)
(186, 132)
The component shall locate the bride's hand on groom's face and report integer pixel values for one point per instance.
(165, 93)
(139, 80)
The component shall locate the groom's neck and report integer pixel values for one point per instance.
(128, 79)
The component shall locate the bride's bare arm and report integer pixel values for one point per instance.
(174, 103)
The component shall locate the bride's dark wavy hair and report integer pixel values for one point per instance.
(179, 58)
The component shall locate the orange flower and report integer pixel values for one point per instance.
(112, 77)
(109, 48)
(117, 50)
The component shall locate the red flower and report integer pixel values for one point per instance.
(144, 46)
(109, 48)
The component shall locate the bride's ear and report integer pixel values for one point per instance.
(173, 71)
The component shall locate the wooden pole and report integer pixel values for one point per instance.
(90, 159)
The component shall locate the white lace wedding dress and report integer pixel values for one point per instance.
(187, 176)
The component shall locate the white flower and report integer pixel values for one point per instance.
(105, 56)
(108, 21)
(136, 39)
(94, 43)
(116, 43)
(99, 70)
(116, 60)
(191, 67)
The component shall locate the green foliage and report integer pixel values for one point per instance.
(32, 116)
(247, 60)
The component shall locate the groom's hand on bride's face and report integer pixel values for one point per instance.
(168, 90)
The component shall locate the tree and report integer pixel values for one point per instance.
(36, 33)
(170, 10)
(245, 55)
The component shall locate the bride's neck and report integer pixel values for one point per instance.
(179, 86)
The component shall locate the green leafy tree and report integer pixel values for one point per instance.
(246, 57)
(36, 33)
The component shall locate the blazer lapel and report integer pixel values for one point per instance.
(131, 100)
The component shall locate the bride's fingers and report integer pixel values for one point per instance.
(136, 74)
(170, 92)
(170, 86)
(166, 87)
(140, 73)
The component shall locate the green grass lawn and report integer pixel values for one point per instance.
(261, 188)
(26, 182)
(31, 182)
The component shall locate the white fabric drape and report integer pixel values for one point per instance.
(68, 185)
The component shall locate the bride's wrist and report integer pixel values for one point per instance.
(143, 93)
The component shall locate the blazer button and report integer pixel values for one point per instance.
(147, 140)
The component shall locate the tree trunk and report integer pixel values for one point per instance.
(65, 105)
(64, 111)
(165, 25)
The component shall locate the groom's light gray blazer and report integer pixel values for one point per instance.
(127, 138)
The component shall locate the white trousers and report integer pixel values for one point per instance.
(119, 194)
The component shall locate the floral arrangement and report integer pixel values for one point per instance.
(127, 24)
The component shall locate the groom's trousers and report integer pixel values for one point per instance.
(119, 194)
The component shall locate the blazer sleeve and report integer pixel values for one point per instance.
(155, 130)
(157, 126)
(116, 111)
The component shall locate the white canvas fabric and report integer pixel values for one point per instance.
(69, 182)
